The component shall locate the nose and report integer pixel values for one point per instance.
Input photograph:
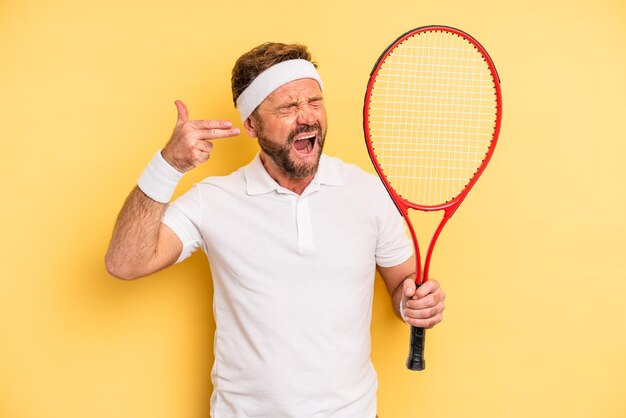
(306, 115)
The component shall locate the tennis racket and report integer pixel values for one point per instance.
(431, 118)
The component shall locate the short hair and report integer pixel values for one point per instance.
(259, 59)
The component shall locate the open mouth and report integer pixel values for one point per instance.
(305, 144)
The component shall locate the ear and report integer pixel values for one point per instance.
(250, 126)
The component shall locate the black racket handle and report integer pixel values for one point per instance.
(415, 361)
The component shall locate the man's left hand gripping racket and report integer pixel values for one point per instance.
(431, 119)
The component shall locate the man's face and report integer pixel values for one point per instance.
(290, 125)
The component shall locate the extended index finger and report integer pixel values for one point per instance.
(215, 133)
(211, 124)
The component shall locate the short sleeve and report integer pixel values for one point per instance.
(393, 246)
(183, 217)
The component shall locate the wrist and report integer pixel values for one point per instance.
(400, 297)
(397, 301)
(159, 179)
(401, 306)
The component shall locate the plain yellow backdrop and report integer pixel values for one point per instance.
(532, 263)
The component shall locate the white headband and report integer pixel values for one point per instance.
(271, 79)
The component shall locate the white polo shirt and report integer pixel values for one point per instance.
(293, 278)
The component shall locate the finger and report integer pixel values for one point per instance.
(211, 124)
(183, 114)
(427, 287)
(424, 313)
(424, 323)
(202, 156)
(205, 146)
(211, 134)
(433, 299)
(408, 287)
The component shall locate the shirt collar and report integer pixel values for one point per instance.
(258, 181)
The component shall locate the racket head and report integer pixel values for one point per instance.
(432, 116)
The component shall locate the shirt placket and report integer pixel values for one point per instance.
(304, 225)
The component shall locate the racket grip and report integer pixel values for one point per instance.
(415, 361)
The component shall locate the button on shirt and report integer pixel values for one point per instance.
(293, 279)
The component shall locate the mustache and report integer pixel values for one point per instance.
(304, 129)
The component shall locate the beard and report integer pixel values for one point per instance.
(280, 154)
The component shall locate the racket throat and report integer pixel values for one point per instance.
(423, 274)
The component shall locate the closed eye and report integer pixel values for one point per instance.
(316, 101)
(292, 107)
(288, 109)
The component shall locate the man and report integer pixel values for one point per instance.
(293, 240)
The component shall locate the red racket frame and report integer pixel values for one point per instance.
(449, 207)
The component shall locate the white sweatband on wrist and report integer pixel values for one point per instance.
(402, 314)
(271, 79)
(159, 179)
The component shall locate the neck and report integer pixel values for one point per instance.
(296, 185)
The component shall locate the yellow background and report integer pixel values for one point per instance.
(532, 263)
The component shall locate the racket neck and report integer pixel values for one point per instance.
(446, 216)
(418, 259)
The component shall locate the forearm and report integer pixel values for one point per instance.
(395, 279)
(134, 242)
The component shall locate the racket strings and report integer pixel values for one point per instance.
(431, 116)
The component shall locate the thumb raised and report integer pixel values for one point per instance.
(183, 114)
